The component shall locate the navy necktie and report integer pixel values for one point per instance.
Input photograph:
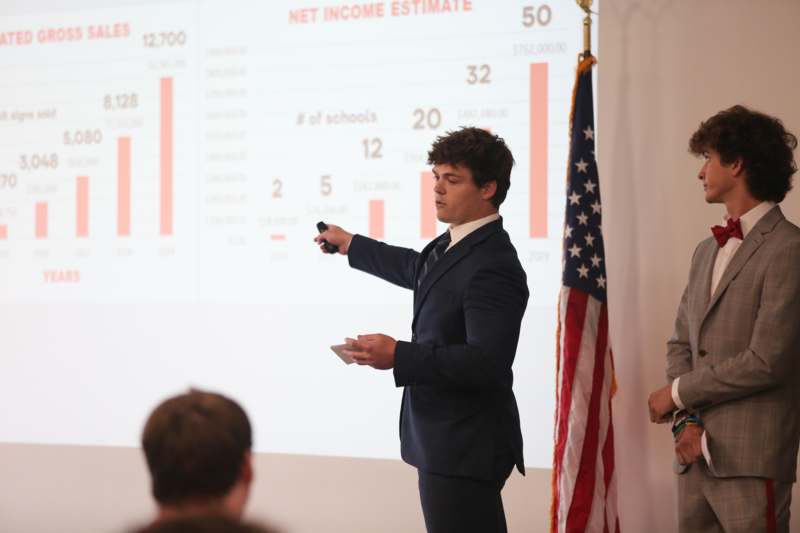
(436, 252)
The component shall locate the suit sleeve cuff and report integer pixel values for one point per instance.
(675, 396)
(403, 364)
(353, 246)
(704, 447)
(692, 394)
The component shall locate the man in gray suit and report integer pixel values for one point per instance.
(732, 363)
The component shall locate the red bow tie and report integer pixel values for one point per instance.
(723, 233)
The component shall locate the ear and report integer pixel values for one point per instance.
(737, 167)
(246, 475)
(488, 189)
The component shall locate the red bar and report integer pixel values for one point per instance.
(166, 156)
(41, 220)
(124, 186)
(538, 151)
(427, 209)
(3, 232)
(82, 206)
(376, 219)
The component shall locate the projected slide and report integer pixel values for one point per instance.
(163, 166)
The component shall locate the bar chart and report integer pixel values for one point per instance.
(427, 207)
(123, 218)
(93, 135)
(538, 150)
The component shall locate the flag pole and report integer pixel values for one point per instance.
(586, 5)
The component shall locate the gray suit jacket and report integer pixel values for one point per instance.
(737, 351)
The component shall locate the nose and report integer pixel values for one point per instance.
(438, 188)
(701, 175)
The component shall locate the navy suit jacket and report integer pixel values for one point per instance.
(458, 413)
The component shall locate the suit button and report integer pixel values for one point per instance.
(702, 353)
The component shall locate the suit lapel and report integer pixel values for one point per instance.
(707, 272)
(455, 254)
(749, 245)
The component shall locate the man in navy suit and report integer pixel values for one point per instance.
(459, 423)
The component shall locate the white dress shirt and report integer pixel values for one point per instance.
(459, 232)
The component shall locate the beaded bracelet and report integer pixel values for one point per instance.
(688, 420)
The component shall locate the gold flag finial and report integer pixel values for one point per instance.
(586, 6)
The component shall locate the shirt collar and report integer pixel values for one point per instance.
(459, 232)
(751, 218)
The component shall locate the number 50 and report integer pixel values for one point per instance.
(532, 16)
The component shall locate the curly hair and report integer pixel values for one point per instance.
(762, 143)
(485, 154)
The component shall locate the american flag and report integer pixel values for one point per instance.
(584, 486)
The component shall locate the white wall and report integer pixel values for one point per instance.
(664, 66)
(81, 489)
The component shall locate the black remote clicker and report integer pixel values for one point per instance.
(328, 247)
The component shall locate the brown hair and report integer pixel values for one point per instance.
(195, 445)
(485, 154)
(762, 143)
